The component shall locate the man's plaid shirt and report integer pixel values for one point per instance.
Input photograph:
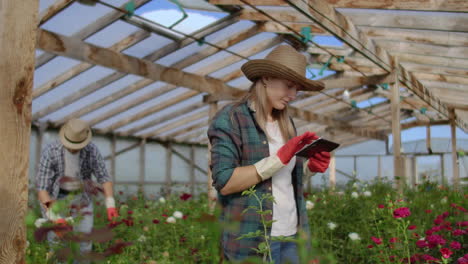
(52, 168)
(237, 140)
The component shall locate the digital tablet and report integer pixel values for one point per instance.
(318, 145)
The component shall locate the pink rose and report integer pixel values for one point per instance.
(401, 212)
(446, 253)
(376, 240)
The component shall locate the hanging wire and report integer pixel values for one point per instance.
(199, 40)
(322, 48)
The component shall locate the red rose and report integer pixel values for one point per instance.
(401, 212)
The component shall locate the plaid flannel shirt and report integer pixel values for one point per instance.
(52, 168)
(237, 140)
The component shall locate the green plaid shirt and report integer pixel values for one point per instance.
(237, 140)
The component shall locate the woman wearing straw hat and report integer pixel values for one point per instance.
(65, 170)
(253, 142)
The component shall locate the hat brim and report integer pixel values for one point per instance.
(255, 69)
(71, 145)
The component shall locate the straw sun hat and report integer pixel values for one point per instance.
(75, 134)
(282, 62)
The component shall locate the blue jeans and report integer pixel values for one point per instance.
(84, 226)
(284, 252)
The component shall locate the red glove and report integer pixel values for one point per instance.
(319, 162)
(112, 213)
(62, 227)
(288, 150)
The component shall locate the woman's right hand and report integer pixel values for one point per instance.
(288, 150)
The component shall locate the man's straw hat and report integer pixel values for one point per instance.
(75, 134)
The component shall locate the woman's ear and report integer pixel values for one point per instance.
(264, 80)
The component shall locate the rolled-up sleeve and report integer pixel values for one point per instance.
(225, 149)
(45, 172)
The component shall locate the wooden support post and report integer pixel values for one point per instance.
(142, 166)
(379, 168)
(414, 171)
(17, 43)
(113, 152)
(212, 195)
(355, 167)
(398, 160)
(428, 139)
(192, 169)
(167, 188)
(332, 166)
(455, 169)
(442, 170)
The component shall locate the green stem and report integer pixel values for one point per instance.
(264, 229)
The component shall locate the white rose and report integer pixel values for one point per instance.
(354, 195)
(178, 214)
(331, 225)
(367, 193)
(162, 200)
(354, 236)
(171, 220)
(309, 205)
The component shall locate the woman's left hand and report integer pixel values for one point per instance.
(319, 162)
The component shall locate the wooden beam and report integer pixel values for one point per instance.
(409, 20)
(53, 10)
(284, 28)
(163, 119)
(458, 52)
(350, 82)
(192, 169)
(211, 191)
(455, 168)
(422, 5)
(17, 43)
(428, 139)
(80, 50)
(141, 178)
(112, 157)
(168, 184)
(396, 132)
(435, 37)
(91, 29)
(440, 78)
(117, 153)
(419, 123)
(346, 31)
(180, 122)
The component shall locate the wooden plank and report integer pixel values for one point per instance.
(446, 38)
(53, 10)
(163, 119)
(142, 165)
(284, 28)
(396, 133)
(112, 158)
(431, 59)
(89, 30)
(459, 52)
(211, 191)
(423, 5)
(187, 119)
(440, 78)
(408, 20)
(126, 149)
(442, 170)
(192, 169)
(17, 44)
(455, 168)
(168, 184)
(346, 31)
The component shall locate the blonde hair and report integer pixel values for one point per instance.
(258, 96)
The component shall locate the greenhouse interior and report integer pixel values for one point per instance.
(151, 78)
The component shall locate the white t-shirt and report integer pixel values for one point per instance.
(284, 208)
(72, 170)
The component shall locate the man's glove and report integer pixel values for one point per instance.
(111, 211)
